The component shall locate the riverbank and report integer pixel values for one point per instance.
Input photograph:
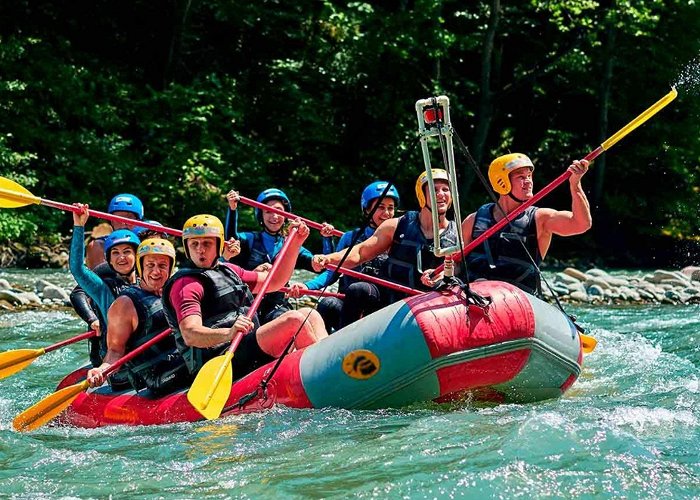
(39, 255)
(571, 285)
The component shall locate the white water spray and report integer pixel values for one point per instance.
(689, 78)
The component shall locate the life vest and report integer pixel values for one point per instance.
(225, 297)
(257, 254)
(145, 368)
(116, 284)
(502, 256)
(411, 252)
(372, 267)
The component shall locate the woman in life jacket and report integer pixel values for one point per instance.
(103, 285)
(124, 205)
(361, 297)
(258, 249)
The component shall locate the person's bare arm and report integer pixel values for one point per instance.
(468, 228)
(576, 221)
(197, 335)
(122, 320)
(376, 244)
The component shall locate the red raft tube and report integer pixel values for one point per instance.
(431, 347)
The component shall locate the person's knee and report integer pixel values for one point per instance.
(356, 291)
(294, 317)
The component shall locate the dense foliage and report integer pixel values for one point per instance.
(180, 101)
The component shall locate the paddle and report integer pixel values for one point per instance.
(588, 343)
(13, 195)
(639, 120)
(373, 279)
(314, 293)
(212, 386)
(286, 215)
(17, 360)
(51, 406)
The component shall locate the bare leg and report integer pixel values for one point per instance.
(274, 336)
(314, 328)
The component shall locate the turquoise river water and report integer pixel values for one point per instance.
(629, 427)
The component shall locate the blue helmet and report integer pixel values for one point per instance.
(272, 194)
(375, 190)
(120, 237)
(139, 230)
(126, 202)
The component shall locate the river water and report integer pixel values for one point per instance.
(630, 427)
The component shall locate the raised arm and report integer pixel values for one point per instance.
(576, 221)
(287, 264)
(231, 225)
(87, 279)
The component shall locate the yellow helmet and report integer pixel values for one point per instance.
(155, 246)
(439, 174)
(203, 226)
(502, 166)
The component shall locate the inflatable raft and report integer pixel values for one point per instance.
(431, 347)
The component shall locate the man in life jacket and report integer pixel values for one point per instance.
(408, 240)
(257, 250)
(135, 317)
(361, 297)
(206, 301)
(514, 253)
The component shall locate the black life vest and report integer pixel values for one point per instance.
(502, 256)
(257, 254)
(225, 297)
(145, 368)
(372, 267)
(411, 252)
(116, 284)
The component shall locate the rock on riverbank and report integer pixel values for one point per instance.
(598, 286)
(45, 295)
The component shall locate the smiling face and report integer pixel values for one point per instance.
(155, 270)
(521, 183)
(122, 258)
(443, 197)
(384, 211)
(203, 252)
(273, 222)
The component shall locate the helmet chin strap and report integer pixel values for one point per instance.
(516, 199)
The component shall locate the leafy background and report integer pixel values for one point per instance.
(179, 101)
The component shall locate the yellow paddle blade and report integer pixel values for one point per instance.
(212, 387)
(13, 195)
(644, 116)
(13, 361)
(48, 408)
(588, 343)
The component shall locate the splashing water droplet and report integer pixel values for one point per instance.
(689, 78)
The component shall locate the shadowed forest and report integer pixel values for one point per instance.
(179, 101)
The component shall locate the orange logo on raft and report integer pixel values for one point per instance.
(361, 364)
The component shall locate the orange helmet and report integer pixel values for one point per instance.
(203, 226)
(501, 167)
(439, 174)
(154, 246)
